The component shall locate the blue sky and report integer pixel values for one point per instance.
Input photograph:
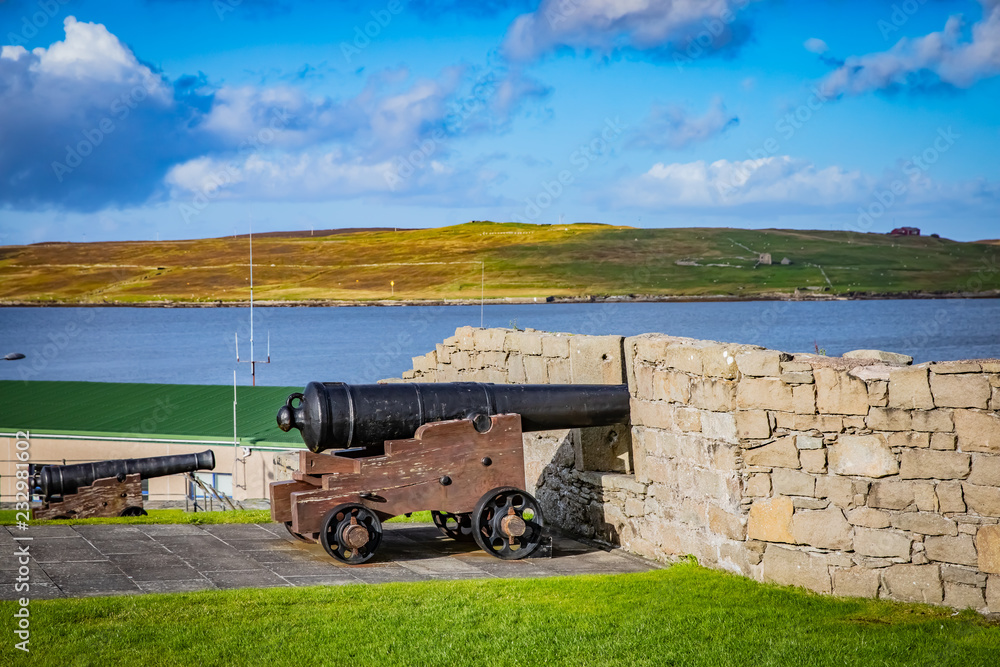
(178, 119)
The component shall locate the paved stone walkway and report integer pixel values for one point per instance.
(78, 561)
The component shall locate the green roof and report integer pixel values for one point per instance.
(160, 411)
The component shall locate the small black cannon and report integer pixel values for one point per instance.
(452, 448)
(108, 488)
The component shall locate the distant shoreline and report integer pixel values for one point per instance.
(338, 303)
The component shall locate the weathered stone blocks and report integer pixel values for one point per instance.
(951, 549)
(985, 470)
(858, 582)
(977, 431)
(881, 543)
(909, 388)
(930, 464)
(759, 363)
(781, 453)
(925, 523)
(764, 394)
(960, 391)
(863, 455)
(770, 520)
(596, 360)
(983, 500)
(825, 529)
(839, 393)
(753, 424)
(988, 548)
(791, 567)
(914, 583)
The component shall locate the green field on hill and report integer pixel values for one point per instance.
(516, 261)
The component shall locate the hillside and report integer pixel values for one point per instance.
(519, 262)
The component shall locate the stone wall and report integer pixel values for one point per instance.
(850, 476)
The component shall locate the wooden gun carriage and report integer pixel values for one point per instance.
(452, 448)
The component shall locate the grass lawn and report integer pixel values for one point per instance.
(7, 518)
(684, 615)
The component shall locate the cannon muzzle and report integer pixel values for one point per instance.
(62, 480)
(334, 415)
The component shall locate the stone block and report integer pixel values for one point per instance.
(891, 495)
(795, 366)
(856, 582)
(653, 414)
(951, 367)
(813, 460)
(960, 596)
(792, 483)
(891, 358)
(770, 520)
(779, 454)
(764, 394)
(985, 470)
(878, 393)
(719, 361)
(790, 567)
(758, 485)
(558, 370)
(958, 574)
(671, 387)
(839, 490)
(761, 363)
(957, 549)
(808, 442)
(712, 394)
(634, 507)
(596, 359)
(862, 455)
(804, 399)
(719, 426)
(924, 497)
(977, 431)
(944, 441)
(729, 525)
(687, 419)
(554, 345)
(753, 424)
(881, 543)
(683, 358)
(839, 393)
(932, 420)
(799, 377)
(910, 439)
(931, 464)
(523, 342)
(993, 593)
(867, 517)
(988, 548)
(949, 496)
(914, 583)
(823, 529)
(984, 500)
(888, 419)
(535, 370)
(910, 389)
(960, 391)
(925, 523)
(604, 449)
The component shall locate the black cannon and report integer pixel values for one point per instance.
(108, 488)
(452, 448)
(334, 415)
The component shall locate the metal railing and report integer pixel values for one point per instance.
(208, 501)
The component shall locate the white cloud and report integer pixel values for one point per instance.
(725, 184)
(944, 57)
(608, 25)
(816, 45)
(673, 127)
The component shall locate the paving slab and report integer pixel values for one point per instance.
(74, 561)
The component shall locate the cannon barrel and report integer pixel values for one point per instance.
(62, 480)
(335, 415)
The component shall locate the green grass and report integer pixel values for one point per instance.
(8, 518)
(521, 261)
(684, 615)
